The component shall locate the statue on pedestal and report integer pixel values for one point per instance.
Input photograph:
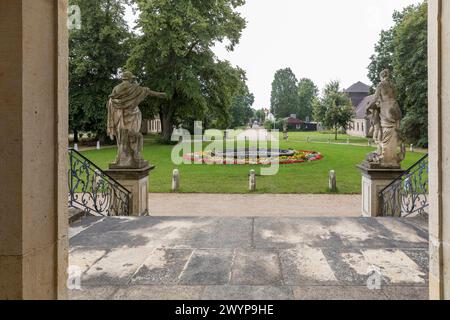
(125, 120)
(386, 117)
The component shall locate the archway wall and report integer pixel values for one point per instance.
(439, 132)
(33, 149)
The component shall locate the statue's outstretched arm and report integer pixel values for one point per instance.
(152, 93)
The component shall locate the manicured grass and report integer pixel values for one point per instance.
(297, 178)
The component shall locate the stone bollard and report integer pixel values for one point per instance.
(332, 181)
(75, 147)
(252, 180)
(176, 180)
(411, 148)
(98, 145)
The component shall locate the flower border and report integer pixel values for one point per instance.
(301, 156)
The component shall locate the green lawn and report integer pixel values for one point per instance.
(297, 178)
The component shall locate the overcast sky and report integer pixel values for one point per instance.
(318, 39)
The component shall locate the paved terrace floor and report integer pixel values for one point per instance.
(249, 258)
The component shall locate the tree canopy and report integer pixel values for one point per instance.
(334, 109)
(174, 54)
(96, 54)
(241, 111)
(403, 49)
(284, 99)
(307, 92)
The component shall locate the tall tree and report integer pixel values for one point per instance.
(284, 100)
(307, 92)
(174, 54)
(403, 49)
(411, 73)
(241, 111)
(334, 110)
(96, 52)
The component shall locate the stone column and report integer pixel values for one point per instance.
(33, 149)
(439, 132)
(373, 182)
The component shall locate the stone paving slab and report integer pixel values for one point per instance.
(256, 268)
(249, 258)
(233, 293)
(162, 267)
(158, 293)
(208, 267)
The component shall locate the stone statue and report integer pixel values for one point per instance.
(125, 120)
(386, 117)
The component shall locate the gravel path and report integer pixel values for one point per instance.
(261, 205)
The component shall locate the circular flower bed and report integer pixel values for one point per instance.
(296, 156)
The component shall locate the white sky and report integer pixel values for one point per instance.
(318, 39)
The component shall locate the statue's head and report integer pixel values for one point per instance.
(385, 74)
(128, 76)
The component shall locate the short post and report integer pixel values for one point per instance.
(411, 148)
(176, 180)
(332, 185)
(348, 141)
(252, 180)
(75, 147)
(98, 145)
(308, 140)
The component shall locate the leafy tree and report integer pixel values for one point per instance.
(174, 54)
(260, 115)
(285, 99)
(241, 110)
(96, 53)
(334, 110)
(411, 73)
(403, 49)
(307, 92)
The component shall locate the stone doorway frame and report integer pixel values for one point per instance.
(34, 114)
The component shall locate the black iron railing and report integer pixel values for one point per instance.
(93, 191)
(408, 195)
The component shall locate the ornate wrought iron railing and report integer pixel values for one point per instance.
(93, 191)
(408, 195)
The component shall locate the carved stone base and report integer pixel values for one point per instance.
(136, 181)
(374, 180)
(137, 165)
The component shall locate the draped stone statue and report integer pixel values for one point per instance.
(125, 120)
(386, 116)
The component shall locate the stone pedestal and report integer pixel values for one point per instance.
(136, 181)
(374, 180)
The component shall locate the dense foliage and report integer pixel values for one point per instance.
(284, 99)
(307, 92)
(174, 54)
(334, 109)
(97, 52)
(403, 49)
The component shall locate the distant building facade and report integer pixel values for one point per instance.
(295, 124)
(151, 126)
(359, 93)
